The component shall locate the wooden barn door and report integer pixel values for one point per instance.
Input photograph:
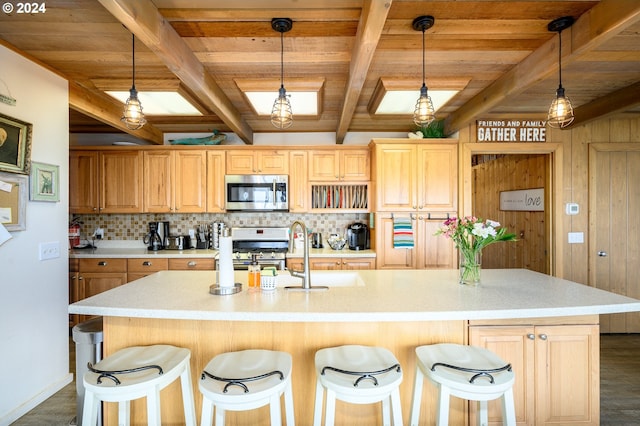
(614, 221)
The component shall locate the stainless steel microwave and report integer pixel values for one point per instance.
(256, 193)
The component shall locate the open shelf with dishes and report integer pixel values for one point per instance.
(353, 197)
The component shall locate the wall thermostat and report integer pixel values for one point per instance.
(572, 208)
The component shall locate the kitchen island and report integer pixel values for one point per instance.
(398, 309)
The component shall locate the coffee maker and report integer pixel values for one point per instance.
(155, 239)
(358, 236)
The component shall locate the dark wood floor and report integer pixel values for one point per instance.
(619, 388)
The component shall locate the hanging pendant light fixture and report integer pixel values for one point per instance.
(561, 111)
(281, 115)
(424, 113)
(132, 116)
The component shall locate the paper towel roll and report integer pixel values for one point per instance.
(225, 275)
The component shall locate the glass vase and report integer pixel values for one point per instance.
(470, 267)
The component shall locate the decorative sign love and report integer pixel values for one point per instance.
(511, 131)
(523, 200)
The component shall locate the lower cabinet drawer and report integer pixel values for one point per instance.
(103, 265)
(194, 263)
(147, 265)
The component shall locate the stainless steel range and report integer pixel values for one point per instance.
(269, 244)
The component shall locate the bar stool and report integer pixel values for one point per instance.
(136, 372)
(244, 380)
(358, 375)
(467, 372)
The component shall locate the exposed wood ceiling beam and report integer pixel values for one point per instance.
(374, 16)
(142, 18)
(612, 103)
(108, 111)
(604, 21)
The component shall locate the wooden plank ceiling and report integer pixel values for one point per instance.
(502, 48)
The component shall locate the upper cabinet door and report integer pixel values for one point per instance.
(121, 182)
(395, 177)
(83, 182)
(189, 181)
(355, 165)
(437, 178)
(215, 181)
(157, 181)
(267, 162)
(348, 165)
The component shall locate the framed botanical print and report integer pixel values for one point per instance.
(45, 182)
(15, 145)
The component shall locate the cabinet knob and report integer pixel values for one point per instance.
(542, 336)
(102, 263)
(80, 278)
(531, 336)
(192, 264)
(415, 207)
(146, 263)
(602, 253)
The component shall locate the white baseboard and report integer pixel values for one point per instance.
(35, 401)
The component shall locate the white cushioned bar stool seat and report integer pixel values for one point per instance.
(359, 375)
(136, 372)
(244, 380)
(467, 372)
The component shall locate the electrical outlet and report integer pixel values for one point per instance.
(99, 233)
(49, 250)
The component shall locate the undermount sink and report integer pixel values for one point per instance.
(325, 278)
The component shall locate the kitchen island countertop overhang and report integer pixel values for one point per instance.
(380, 295)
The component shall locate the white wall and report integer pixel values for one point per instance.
(34, 359)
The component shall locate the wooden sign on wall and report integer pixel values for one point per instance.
(523, 200)
(511, 131)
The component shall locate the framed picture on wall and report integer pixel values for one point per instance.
(15, 145)
(14, 191)
(45, 182)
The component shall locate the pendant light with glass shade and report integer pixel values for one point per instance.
(424, 113)
(281, 115)
(561, 111)
(132, 116)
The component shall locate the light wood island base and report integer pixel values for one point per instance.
(205, 339)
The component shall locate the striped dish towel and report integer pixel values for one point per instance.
(402, 232)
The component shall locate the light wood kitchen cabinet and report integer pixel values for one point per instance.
(556, 367)
(348, 165)
(105, 181)
(416, 177)
(262, 162)
(74, 290)
(298, 182)
(429, 252)
(141, 267)
(175, 181)
(333, 263)
(192, 264)
(99, 275)
(215, 181)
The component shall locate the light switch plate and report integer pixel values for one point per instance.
(576, 237)
(49, 250)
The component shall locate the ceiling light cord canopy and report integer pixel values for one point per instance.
(424, 113)
(560, 111)
(132, 115)
(281, 115)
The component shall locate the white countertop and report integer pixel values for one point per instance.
(142, 252)
(383, 295)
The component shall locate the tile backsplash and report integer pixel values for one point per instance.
(135, 226)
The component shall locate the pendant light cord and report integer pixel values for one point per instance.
(423, 57)
(133, 60)
(281, 59)
(560, 58)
